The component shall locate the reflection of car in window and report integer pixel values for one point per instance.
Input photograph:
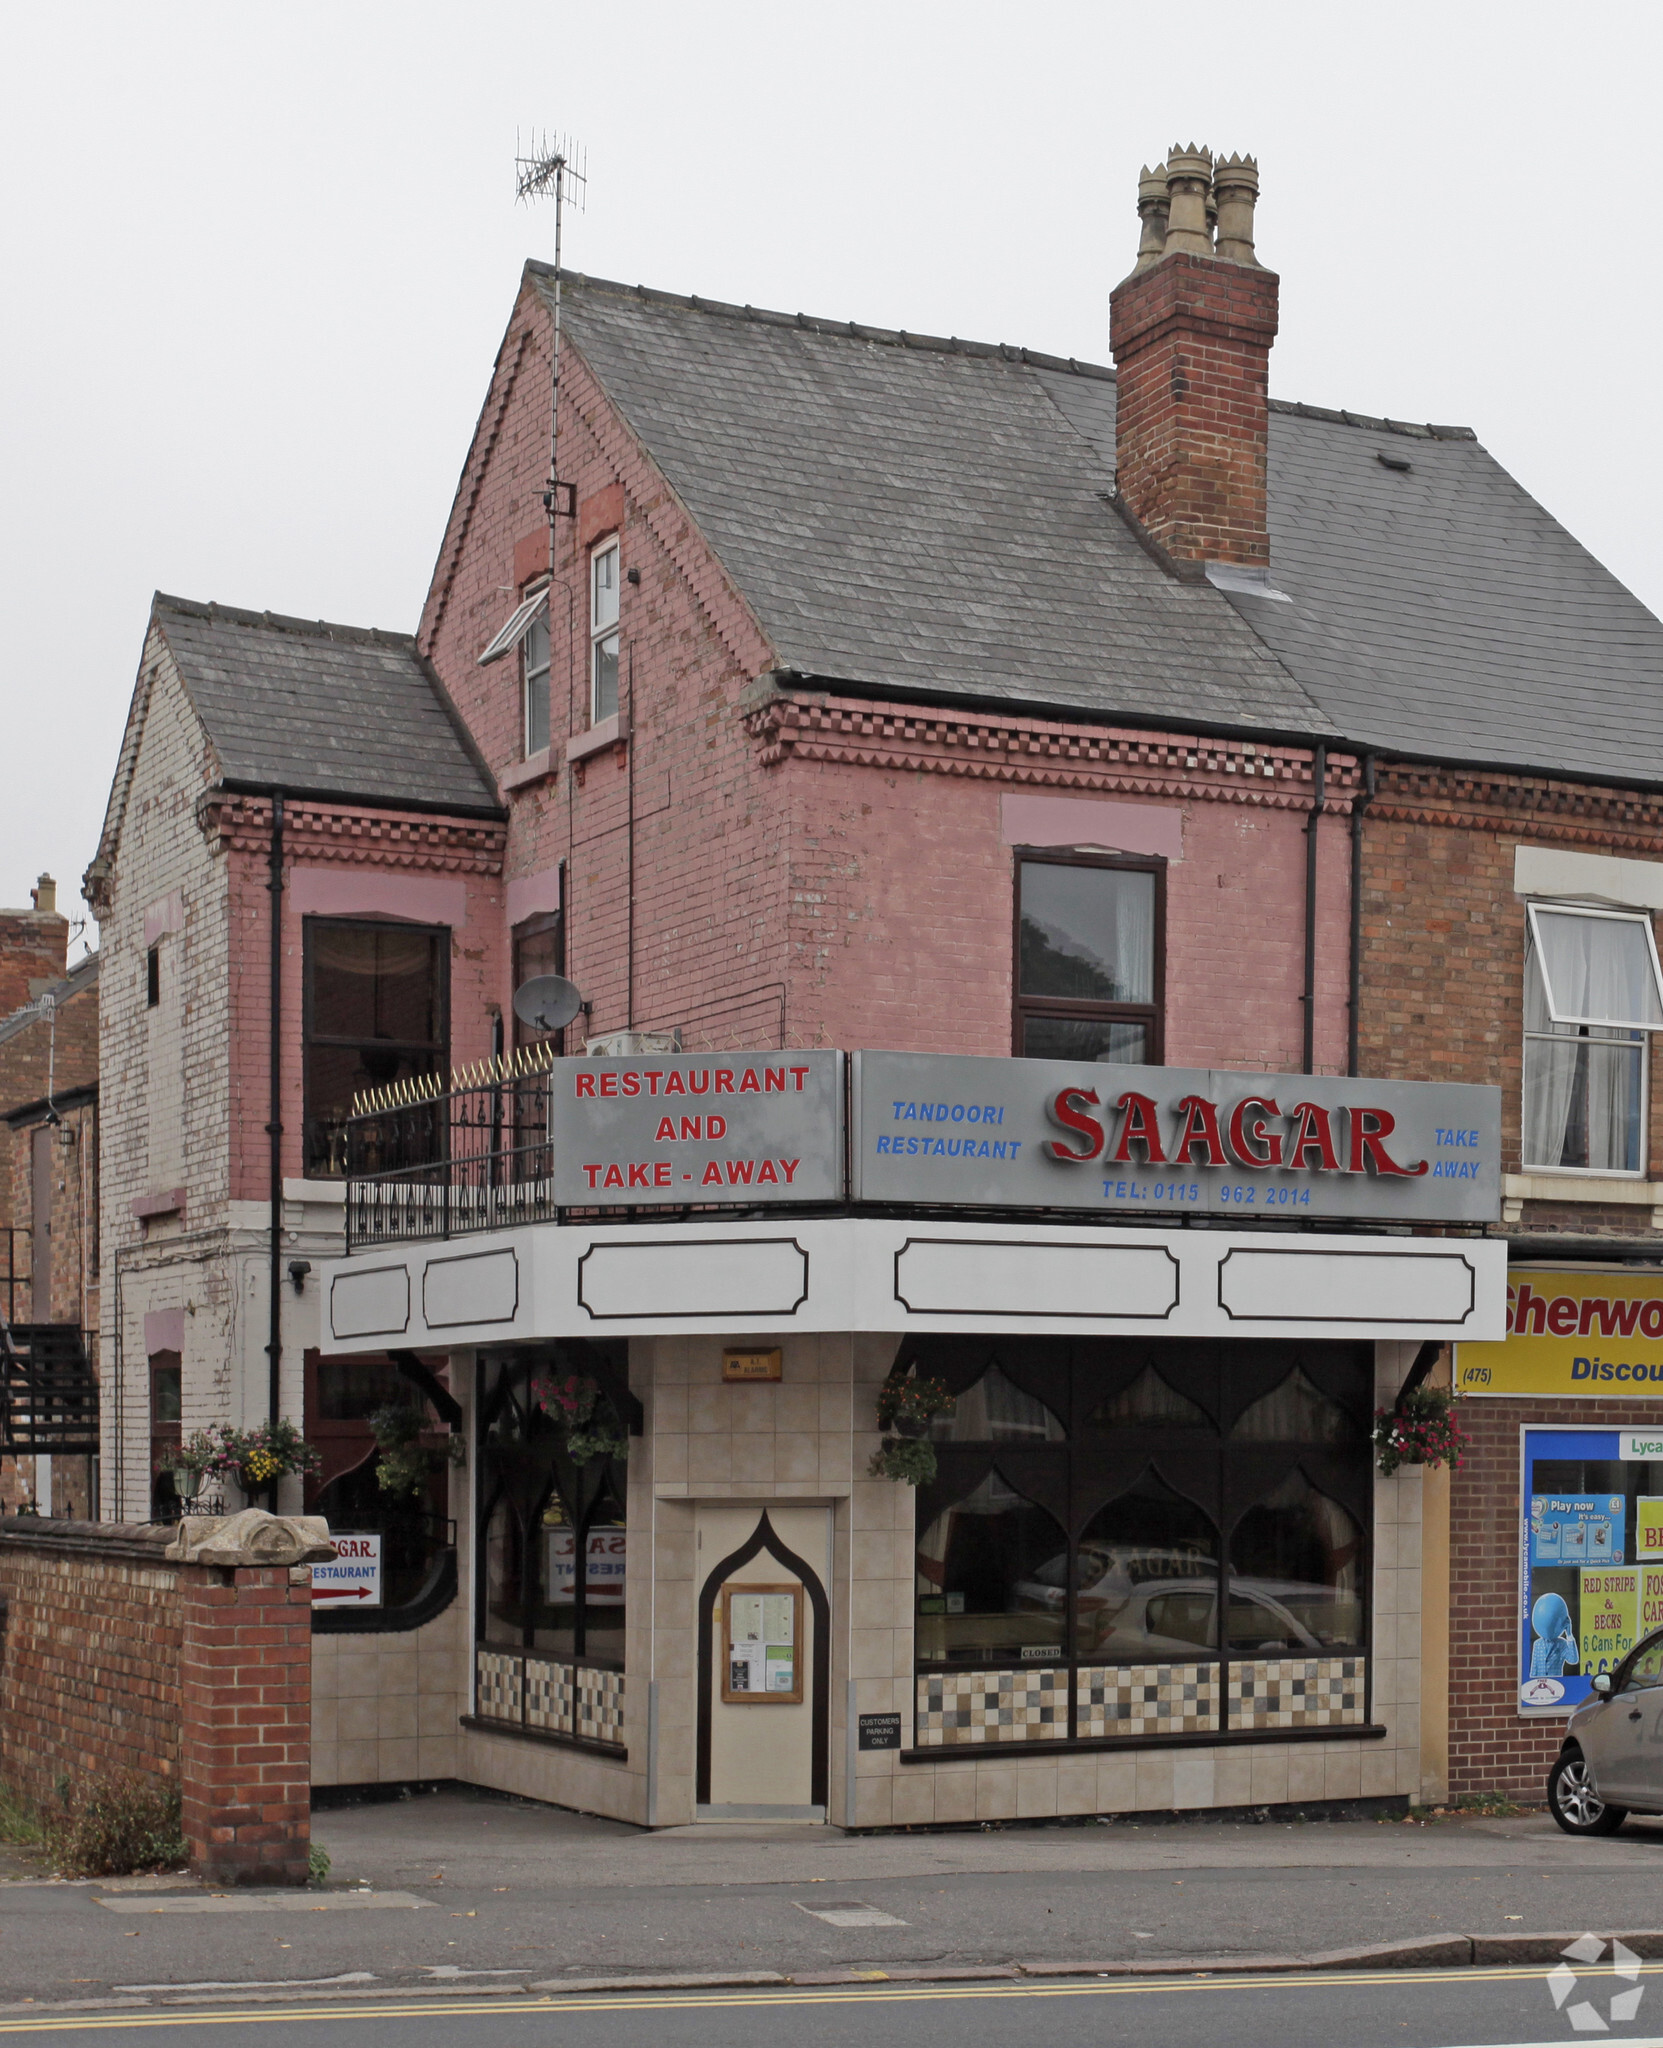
(1154, 1603)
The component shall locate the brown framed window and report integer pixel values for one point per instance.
(1090, 957)
(377, 1010)
(539, 948)
(166, 1432)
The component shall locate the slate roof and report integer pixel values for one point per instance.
(919, 518)
(320, 710)
(932, 517)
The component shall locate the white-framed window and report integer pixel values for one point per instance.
(534, 684)
(1593, 994)
(603, 632)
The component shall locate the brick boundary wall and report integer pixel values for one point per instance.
(115, 1657)
(1491, 1749)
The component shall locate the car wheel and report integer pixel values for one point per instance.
(1575, 1803)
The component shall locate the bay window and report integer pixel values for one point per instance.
(1088, 958)
(1592, 997)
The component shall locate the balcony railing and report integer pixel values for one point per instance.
(471, 1159)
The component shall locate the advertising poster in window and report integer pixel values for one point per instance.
(1590, 1523)
(1588, 1335)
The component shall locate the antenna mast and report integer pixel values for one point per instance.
(557, 168)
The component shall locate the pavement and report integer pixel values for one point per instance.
(455, 1893)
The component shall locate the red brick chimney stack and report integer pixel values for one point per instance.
(34, 947)
(1191, 329)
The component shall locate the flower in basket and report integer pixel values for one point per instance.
(578, 1409)
(906, 1408)
(1420, 1430)
(255, 1458)
(406, 1463)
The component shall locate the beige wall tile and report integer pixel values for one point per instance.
(397, 1719)
(1233, 1777)
(1307, 1768)
(1036, 1790)
(913, 1802)
(995, 1792)
(873, 1803)
(436, 1713)
(955, 1791)
(436, 1756)
(358, 1720)
(1154, 1781)
(398, 1760)
(323, 1722)
(326, 1764)
(1342, 1775)
(357, 1763)
(1270, 1777)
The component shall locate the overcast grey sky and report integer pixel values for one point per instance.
(257, 259)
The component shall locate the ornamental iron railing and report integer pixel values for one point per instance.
(471, 1159)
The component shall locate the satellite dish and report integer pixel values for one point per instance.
(548, 1002)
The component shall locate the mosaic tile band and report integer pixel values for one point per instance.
(549, 1694)
(1298, 1692)
(992, 1706)
(1145, 1699)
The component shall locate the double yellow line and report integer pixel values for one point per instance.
(58, 2021)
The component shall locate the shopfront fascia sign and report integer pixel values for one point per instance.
(1050, 1134)
(1588, 1334)
(746, 1128)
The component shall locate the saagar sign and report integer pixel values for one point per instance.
(353, 1579)
(1052, 1134)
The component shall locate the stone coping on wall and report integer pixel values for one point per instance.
(142, 1542)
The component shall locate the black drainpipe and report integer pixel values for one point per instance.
(274, 1128)
(1319, 785)
(1360, 803)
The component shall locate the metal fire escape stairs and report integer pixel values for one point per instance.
(49, 1391)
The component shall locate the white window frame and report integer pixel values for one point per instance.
(600, 633)
(531, 680)
(1535, 958)
(519, 623)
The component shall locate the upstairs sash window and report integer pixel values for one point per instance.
(1592, 997)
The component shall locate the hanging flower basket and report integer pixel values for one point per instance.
(906, 1408)
(255, 1458)
(583, 1415)
(406, 1464)
(1420, 1430)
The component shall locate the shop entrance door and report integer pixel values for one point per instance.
(764, 1663)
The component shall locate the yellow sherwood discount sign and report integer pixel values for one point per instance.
(1594, 1334)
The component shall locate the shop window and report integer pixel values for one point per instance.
(994, 1411)
(1295, 1575)
(1297, 1412)
(377, 1010)
(1148, 1403)
(552, 1533)
(1152, 1537)
(418, 1536)
(603, 632)
(1147, 1578)
(1592, 997)
(534, 685)
(1088, 958)
(167, 1411)
(992, 1581)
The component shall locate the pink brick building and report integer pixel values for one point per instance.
(854, 692)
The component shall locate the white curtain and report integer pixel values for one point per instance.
(1599, 969)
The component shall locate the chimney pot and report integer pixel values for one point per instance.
(1152, 205)
(44, 895)
(1189, 179)
(1191, 330)
(1236, 187)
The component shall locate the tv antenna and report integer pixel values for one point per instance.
(557, 170)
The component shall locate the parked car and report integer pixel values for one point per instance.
(1611, 1763)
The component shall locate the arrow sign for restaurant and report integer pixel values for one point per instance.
(353, 1579)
